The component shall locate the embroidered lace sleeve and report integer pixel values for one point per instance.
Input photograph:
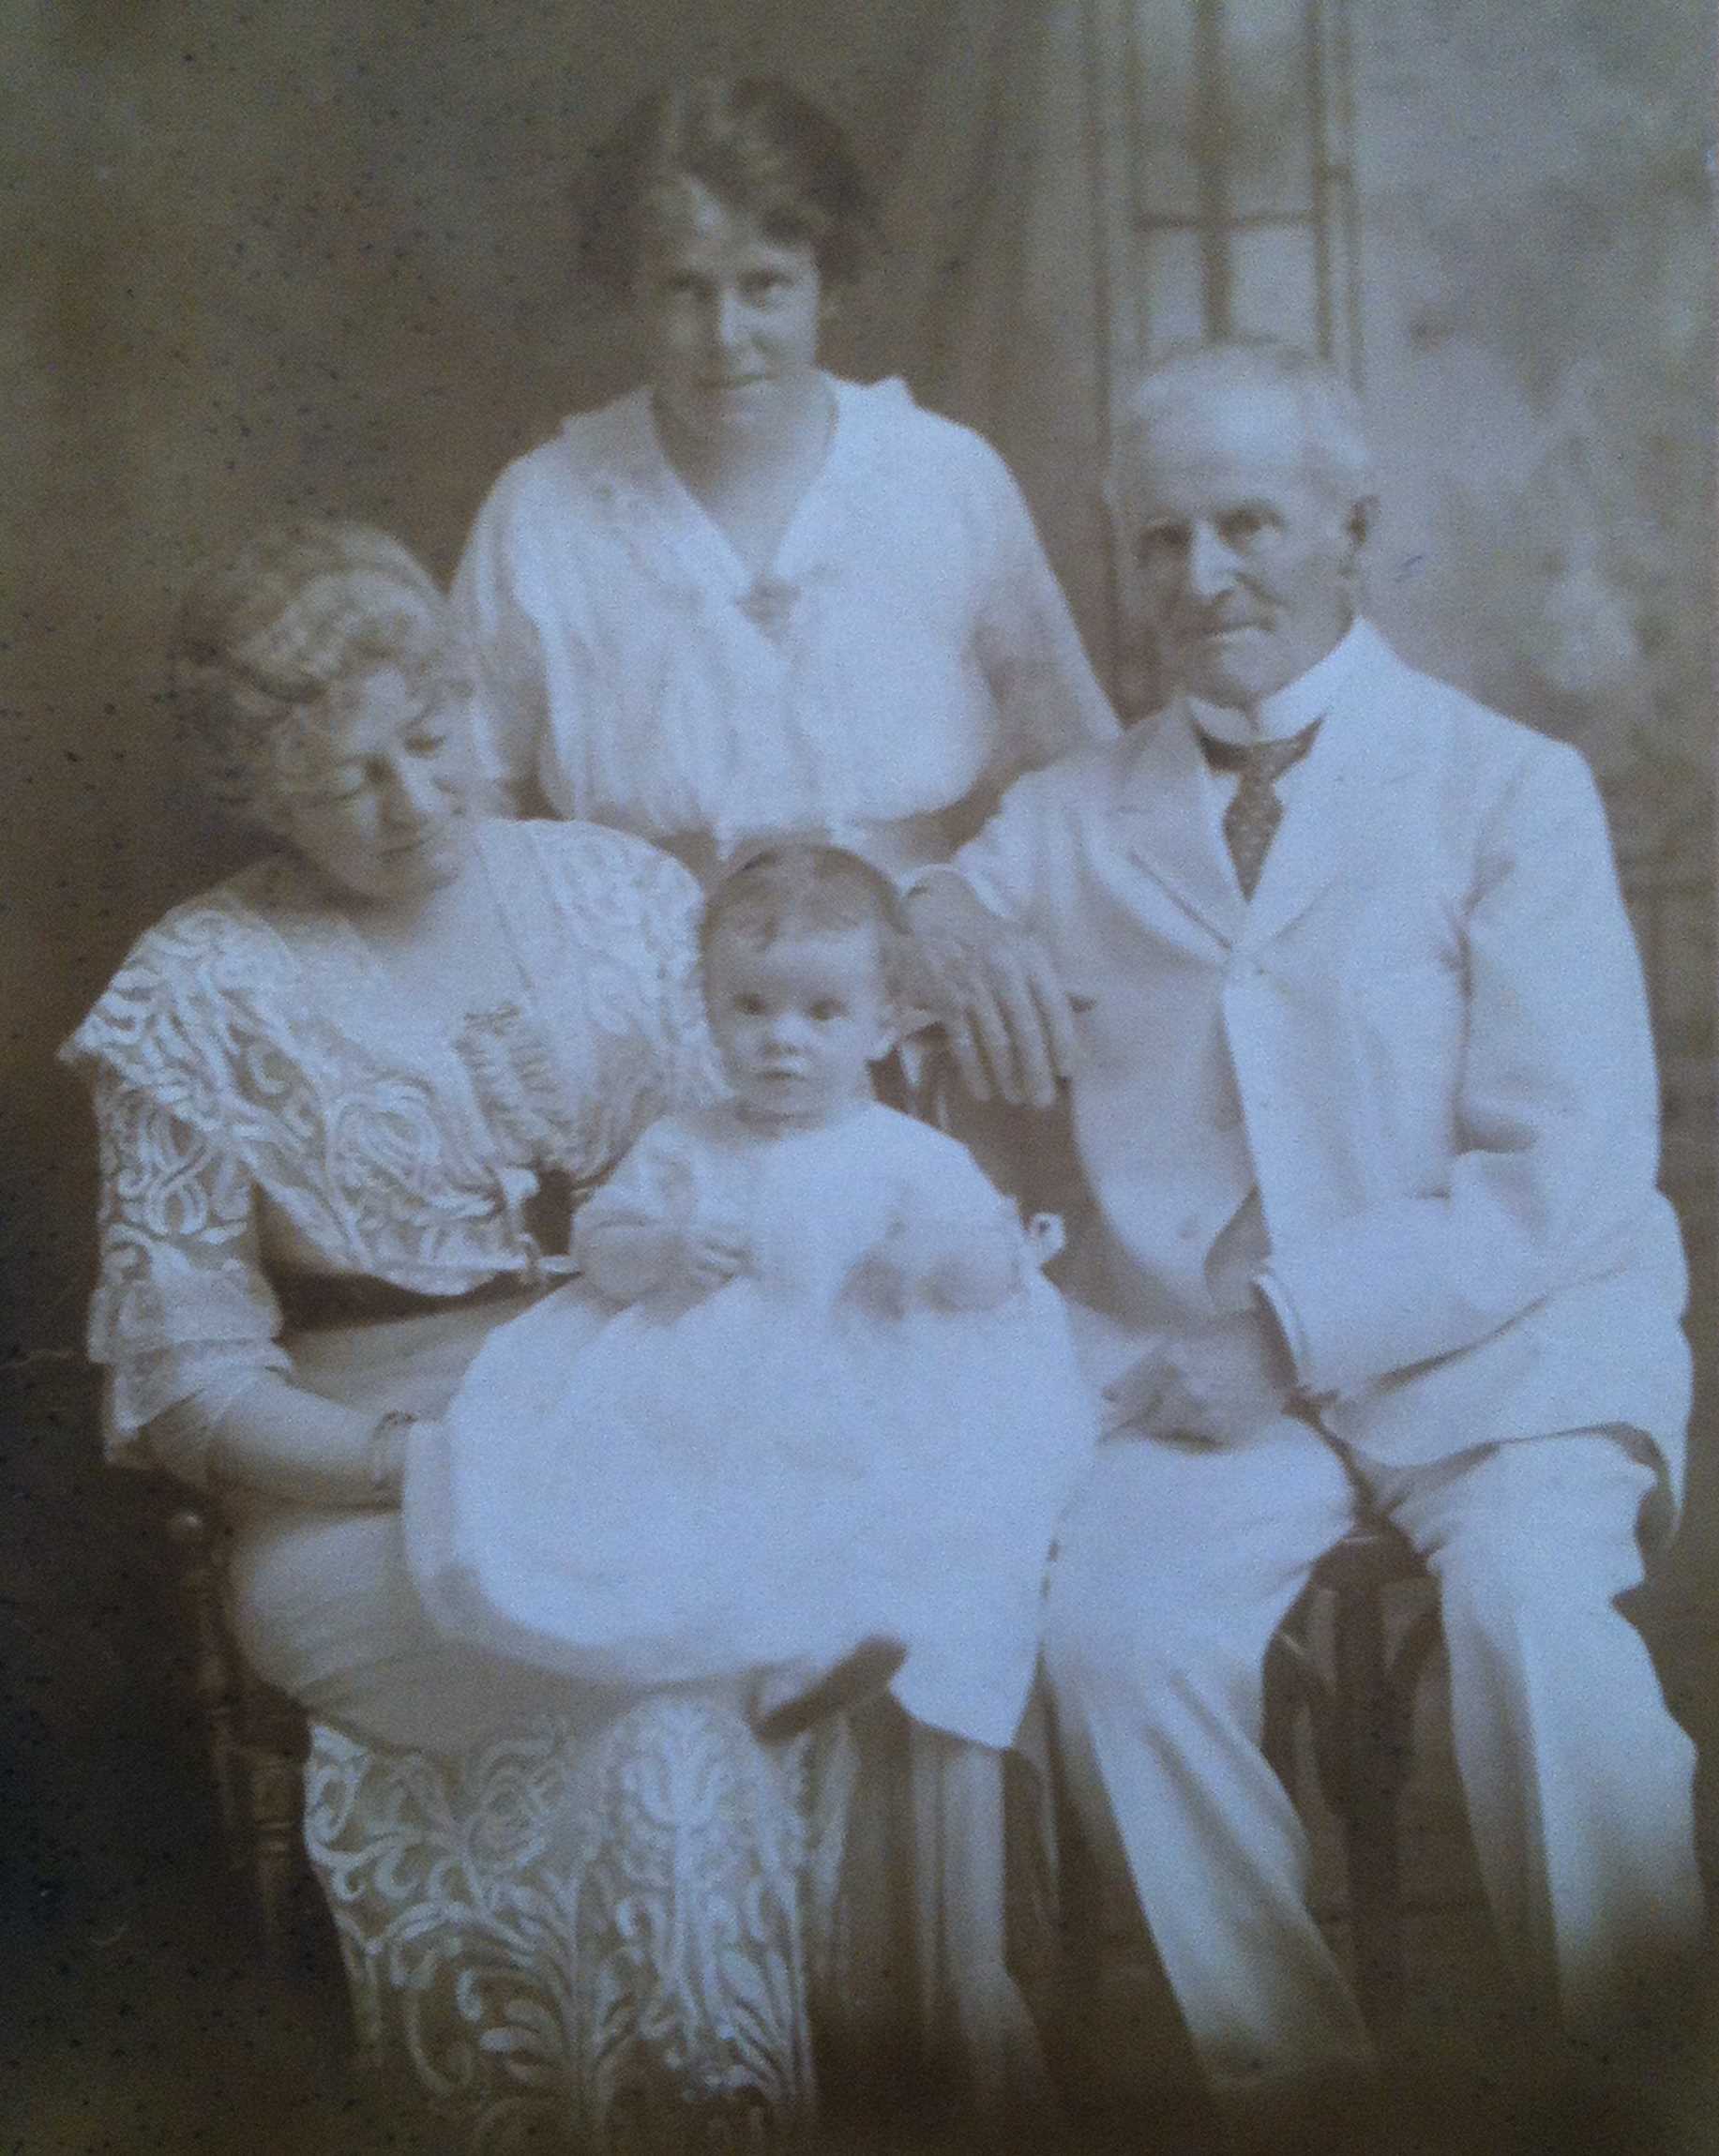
(1027, 642)
(234, 1120)
(181, 1304)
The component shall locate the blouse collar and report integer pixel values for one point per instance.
(632, 468)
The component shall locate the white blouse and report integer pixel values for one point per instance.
(909, 647)
(268, 1103)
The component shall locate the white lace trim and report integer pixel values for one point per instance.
(605, 1942)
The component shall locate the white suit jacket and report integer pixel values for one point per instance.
(1424, 1041)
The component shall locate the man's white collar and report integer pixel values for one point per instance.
(1309, 697)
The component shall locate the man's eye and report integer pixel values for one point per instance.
(825, 1009)
(340, 785)
(749, 1006)
(1240, 525)
(427, 744)
(1161, 539)
(767, 284)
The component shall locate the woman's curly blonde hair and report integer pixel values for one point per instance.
(264, 632)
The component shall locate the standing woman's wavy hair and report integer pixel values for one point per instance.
(757, 144)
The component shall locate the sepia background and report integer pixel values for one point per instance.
(315, 256)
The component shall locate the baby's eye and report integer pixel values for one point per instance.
(749, 1006)
(427, 744)
(764, 284)
(826, 1008)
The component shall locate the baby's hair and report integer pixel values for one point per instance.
(800, 887)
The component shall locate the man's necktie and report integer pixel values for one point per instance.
(1251, 819)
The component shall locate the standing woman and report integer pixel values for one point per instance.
(746, 596)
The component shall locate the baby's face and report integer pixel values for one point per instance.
(798, 1021)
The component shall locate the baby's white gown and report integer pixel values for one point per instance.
(687, 1489)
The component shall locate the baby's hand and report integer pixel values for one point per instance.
(714, 1251)
(947, 1267)
(881, 1283)
(975, 1270)
(891, 1274)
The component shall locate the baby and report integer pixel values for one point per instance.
(815, 1438)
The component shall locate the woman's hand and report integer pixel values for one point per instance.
(1009, 1020)
(389, 1448)
(279, 1442)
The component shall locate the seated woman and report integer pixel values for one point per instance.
(331, 1094)
(746, 596)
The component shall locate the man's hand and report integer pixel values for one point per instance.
(1008, 1018)
(1215, 1385)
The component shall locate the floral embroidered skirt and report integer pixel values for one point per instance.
(602, 1945)
(569, 1921)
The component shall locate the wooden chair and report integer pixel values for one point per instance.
(257, 1738)
(1360, 1707)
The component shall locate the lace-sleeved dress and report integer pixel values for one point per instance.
(908, 653)
(268, 1108)
(270, 1116)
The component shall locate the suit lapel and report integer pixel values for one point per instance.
(1164, 825)
(1339, 795)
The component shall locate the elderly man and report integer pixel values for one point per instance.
(1364, 1098)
